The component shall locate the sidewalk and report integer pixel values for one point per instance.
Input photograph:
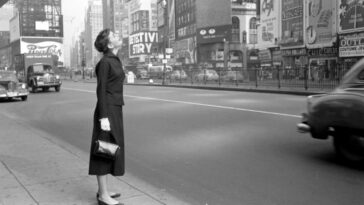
(36, 168)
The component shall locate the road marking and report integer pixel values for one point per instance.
(199, 104)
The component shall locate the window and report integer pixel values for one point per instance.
(235, 30)
(253, 31)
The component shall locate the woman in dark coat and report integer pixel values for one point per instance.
(108, 116)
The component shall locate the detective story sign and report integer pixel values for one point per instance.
(142, 43)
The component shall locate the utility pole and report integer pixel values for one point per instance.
(165, 38)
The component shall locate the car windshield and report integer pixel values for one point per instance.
(7, 76)
(42, 69)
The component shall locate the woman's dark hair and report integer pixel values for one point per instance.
(102, 40)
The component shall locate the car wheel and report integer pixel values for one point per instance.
(57, 88)
(349, 146)
(34, 89)
(24, 98)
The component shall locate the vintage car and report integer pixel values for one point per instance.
(207, 75)
(42, 76)
(11, 88)
(340, 115)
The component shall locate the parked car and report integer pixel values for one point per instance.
(178, 75)
(340, 114)
(232, 76)
(142, 74)
(10, 87)
(207, 75)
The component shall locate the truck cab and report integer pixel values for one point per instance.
(42, 76)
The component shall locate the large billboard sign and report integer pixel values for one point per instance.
(214, 34)
(52, 46)
(269, 21)
(351, 14)
(321, 21)
(141, 43)
(292, 23)
(14, 28)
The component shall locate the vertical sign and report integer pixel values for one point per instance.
(321, 29)
(268, 29)
(292, 23)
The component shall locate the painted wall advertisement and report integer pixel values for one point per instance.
(321, 23)
(141, 43)
(351, 45)
(292, 23)
(53, 46)
(351, 15)
(268, 30)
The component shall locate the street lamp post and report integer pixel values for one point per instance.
(83, 59)
(164, 61)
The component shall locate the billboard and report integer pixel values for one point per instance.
(14, 28)
(321, 29)
(269, 23)
(214, 34)
(53, 46)
(292, 23)
(141, 43)
(351, 14)
(351, 45)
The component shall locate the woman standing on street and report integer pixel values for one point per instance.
(108, 116)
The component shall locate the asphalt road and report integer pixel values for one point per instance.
(207, 147)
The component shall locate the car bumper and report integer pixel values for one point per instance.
(303, 127)
(39, 84)
(13, 94)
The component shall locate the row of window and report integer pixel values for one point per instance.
(187, 18)
(184, 5)
(186, 31)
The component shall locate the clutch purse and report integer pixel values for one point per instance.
(106, 149)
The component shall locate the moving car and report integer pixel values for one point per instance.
(11, 88)
(340, 115)
(207, 75)
(41, 75)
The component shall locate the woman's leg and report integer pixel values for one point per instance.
(103, 191)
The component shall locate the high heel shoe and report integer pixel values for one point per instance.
(100, 202)
(112, 195)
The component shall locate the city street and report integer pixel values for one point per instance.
(205, 146)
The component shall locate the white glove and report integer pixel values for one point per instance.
(105, 124)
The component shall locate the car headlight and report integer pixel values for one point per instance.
(57, 77)
(24, 86)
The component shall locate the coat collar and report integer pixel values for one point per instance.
(110, 54)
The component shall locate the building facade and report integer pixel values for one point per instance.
(93, 25)
(37, 27)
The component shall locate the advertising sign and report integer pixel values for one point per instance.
(292, 23)
(351, 15)
(321, 29)
(351, 45)
(52, 46)
(141, 43)
(214, 34)
(185, 49)
(268, 29)
(14, 28)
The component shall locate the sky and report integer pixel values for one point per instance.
(73, 18)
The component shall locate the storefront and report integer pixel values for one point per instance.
(294, 63)
(351, 48)
(322, 63)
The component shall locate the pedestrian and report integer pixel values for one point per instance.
(108, 115)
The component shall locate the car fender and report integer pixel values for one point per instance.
(336, 110)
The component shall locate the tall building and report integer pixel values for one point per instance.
(37, 27)
(93, 25)
(6, 12)
(215, 33)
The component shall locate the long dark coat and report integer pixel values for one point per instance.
(110, 78)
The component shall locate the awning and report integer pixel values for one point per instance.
(2, 2)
